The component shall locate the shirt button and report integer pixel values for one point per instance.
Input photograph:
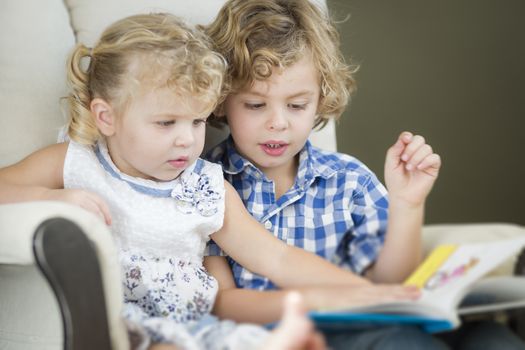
(268, 225)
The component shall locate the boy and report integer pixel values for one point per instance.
(286, 77)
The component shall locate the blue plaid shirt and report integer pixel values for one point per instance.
(337, 208)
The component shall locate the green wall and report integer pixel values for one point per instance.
(453, 71)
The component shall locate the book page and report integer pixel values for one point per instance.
(494, 294)
(447, 283)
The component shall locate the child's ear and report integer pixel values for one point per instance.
(104, 116)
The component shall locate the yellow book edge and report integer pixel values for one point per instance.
(430, 265)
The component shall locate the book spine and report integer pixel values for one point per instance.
(431, 264)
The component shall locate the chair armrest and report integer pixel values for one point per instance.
(20, 221)
(69, 261)
(519, 268)
(518, 321)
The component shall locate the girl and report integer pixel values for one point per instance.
(137, 125)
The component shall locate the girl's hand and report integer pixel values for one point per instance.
(295, 330)
(85, 199)
(411, 167)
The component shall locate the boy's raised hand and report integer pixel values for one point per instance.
(411, 167)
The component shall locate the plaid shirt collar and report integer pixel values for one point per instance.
(312, 164)
(343, 230)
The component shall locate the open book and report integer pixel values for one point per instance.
(451, 285)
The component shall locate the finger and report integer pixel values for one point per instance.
(401, 292)
(92, 207)
(294, 321)
(394, 152)
(419, 154)
(406, 136)
(416, 142)
(431, 164)
(293, 306)
(409, 292)
(102, 208)
(316, 342)
(393, 155)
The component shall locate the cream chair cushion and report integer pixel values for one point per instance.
(35, 37)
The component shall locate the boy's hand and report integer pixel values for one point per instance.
(411, 167)
(85, 199)
(332, 298)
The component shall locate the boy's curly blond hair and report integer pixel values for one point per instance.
(257, 35)
(135, 54)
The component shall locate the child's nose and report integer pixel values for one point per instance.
(277, 121)
(184, 138)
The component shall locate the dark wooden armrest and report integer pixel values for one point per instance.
(519, 268)
(69, 262)
(517, 322)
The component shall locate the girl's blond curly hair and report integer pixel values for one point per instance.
(255, 36)
(136, 53)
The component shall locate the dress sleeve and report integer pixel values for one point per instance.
(212, 197)
(215, 172)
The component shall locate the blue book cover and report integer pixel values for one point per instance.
(337, 321)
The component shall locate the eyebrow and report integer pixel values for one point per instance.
(176, 116)
(165, 115)
(306, 93)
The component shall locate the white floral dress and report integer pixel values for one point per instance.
(161, 230)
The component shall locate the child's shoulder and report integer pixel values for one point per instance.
(337, 161)
(75, 149)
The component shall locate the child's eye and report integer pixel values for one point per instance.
(254, 106)
(165, 122)
(198, 122)
(298, 106)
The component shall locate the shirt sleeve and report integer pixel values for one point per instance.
(370, 215)
(213, 249)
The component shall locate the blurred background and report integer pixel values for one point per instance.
(453, 71)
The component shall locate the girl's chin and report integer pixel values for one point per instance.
(166, 177)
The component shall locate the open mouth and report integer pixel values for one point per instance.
(273, 145)
(274, 148)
